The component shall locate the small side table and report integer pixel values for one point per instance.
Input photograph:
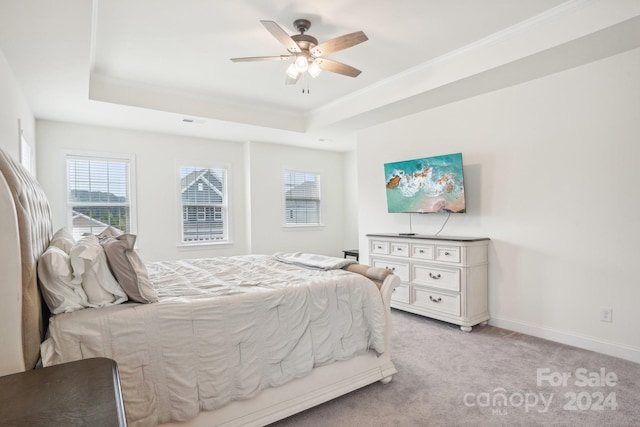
(353, 253)
(82, 393)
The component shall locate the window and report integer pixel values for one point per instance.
(203, 198)
(301, 198)
(98, 194)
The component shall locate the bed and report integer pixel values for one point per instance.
(26, 230)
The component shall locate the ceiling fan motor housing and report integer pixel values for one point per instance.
(302, 25)
(305, 42)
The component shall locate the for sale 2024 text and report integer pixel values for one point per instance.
(587, 398)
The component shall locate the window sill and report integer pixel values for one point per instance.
(303, 227)
(201, 245)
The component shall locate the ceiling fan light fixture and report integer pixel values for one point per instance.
(314, 69)
(292, 71)
(301, 63)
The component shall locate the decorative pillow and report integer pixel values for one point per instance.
(109, 232)
(55, 275)
(376, 274)
(90, 269)
(63, 240)
(128, 268)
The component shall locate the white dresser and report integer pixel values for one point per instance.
(442, 277)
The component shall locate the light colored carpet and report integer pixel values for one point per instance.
(488, 377)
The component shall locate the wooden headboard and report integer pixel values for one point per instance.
(25, 232)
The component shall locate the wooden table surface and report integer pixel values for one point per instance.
(82, 393)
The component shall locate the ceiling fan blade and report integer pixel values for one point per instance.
(283, 37)
(262, 58)
(339, 43)
(337, 67)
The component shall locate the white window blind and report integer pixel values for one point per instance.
(203, 198)
(301, 198)
(98, 194)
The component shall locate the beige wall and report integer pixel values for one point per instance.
(157, 158)
(14, 113)
(255, 180)
(268, 235)
(551, 172)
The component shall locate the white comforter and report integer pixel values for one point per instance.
(223, 329)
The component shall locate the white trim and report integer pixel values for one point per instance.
(25, 150)
(569, 338)
(492, 39)
(195, 245)
(306, 227)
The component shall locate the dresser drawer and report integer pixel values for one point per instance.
(437, 277)
(434, 300)
(400, 249)
(378, 247)
(401, 294)
(448, 253)
(422, 251)
(441, 277)
(400, 269)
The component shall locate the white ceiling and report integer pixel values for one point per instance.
(148, 64)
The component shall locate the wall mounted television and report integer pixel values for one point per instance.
(426, 185)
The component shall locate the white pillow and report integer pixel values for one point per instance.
(55, 275)
(90, 269)
(63, 240)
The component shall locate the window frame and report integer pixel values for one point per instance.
(128, 158)
(225, 206)
(306, 226)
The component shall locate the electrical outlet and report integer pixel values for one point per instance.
(606, 314)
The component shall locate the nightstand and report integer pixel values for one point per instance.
(82, 393)
(352, 252)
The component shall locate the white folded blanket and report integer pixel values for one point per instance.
(313, 261)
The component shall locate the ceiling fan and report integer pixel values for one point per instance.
(307, 54)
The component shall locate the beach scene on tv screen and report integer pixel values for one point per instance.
(426, 185)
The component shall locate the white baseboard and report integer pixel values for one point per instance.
(565, 337)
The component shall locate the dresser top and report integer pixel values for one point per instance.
(428, 237)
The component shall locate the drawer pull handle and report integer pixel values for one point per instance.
(421, 251)
(434, 276)
(392, 268)
(378, 247)
(435, 299)
(399, 249)
(447, 253)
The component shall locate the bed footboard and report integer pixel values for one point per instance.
(321, 385)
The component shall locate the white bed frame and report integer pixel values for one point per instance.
(25, 230)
